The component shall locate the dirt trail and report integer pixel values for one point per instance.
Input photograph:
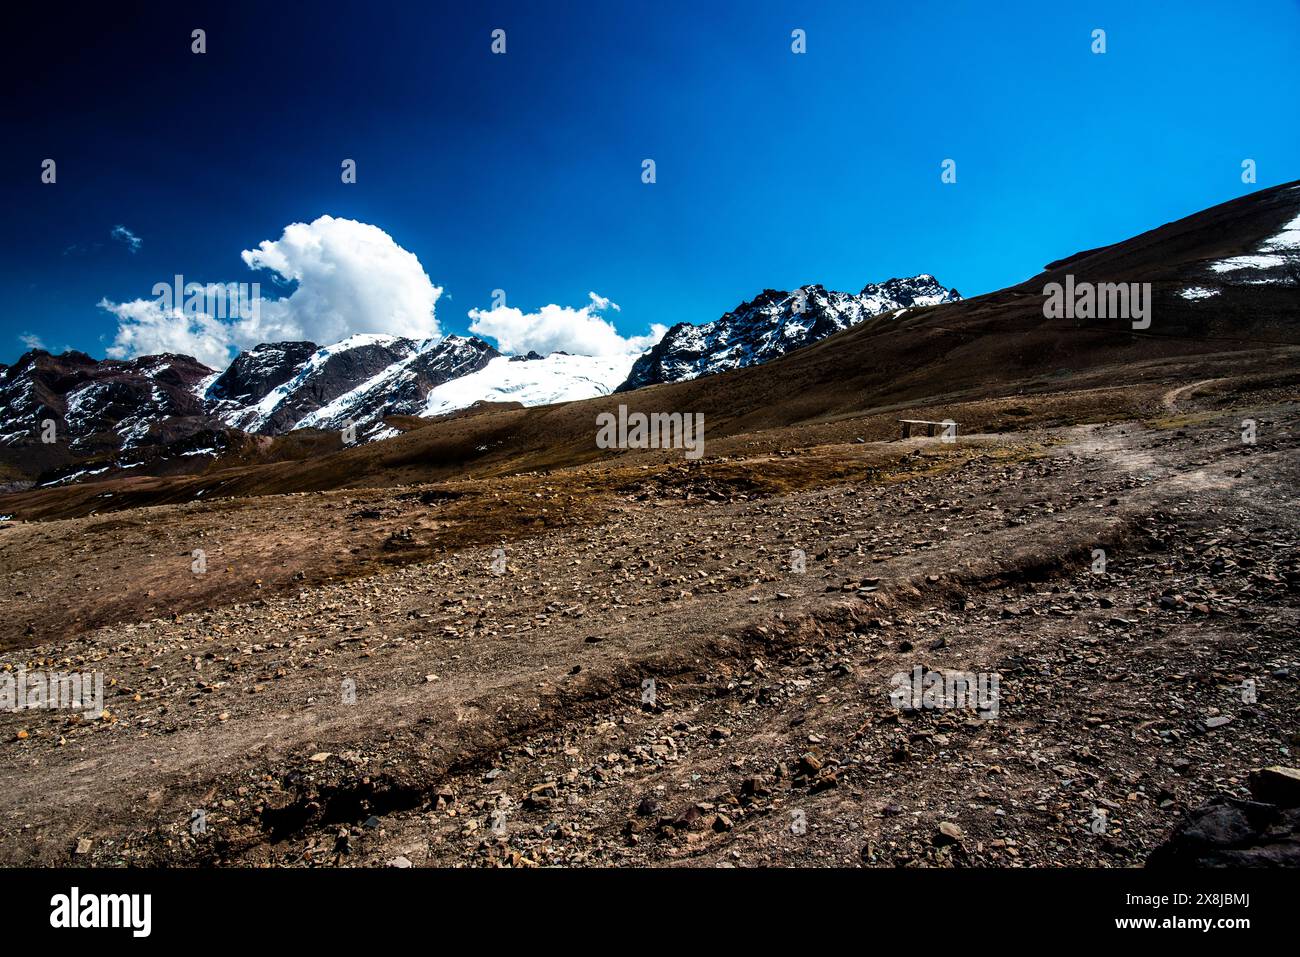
(1170, 399)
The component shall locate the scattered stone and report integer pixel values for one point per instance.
(1276, 785)
(948, 833)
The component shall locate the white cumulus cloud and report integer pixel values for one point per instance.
(145, 328)
(350, 277)
(579, 331)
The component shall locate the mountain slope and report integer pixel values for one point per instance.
(933, 360)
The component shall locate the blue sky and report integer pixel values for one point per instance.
(523, 172)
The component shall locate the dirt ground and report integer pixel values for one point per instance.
(644, 662)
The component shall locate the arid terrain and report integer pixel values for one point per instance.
(488, 640)
(648, 679)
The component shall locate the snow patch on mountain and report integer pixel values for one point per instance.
(1275, 262)
(556, 378)
(204, 386)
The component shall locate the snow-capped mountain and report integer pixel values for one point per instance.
(57, 411)
(773, 324)
(326, 374)
(350, 383)
(171, 412)
(255, 373)
(403, 387)
(112, 415)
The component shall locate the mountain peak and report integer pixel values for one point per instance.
(774, 323)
